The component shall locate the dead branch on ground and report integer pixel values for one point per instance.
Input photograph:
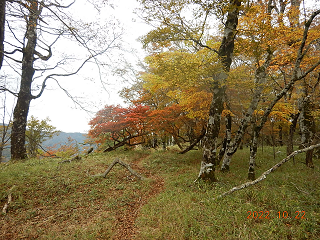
(78, 157)
(5, 207)
(264, 175)
(71, 159)
(118, 161)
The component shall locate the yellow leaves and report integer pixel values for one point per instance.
(196, 103)
(183, 78)
(226, 112)
(282, 112)
(240, 78)
(180, 68)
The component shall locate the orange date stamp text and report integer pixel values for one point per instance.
(272, 215)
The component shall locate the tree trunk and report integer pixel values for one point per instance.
(291, 133)
(307, 127)
(21, 110)
(2, 27)
(280, 134)
(260, 81)
(225, 53)
(253, 153)
(210, 139)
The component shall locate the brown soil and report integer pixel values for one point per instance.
(126, 228)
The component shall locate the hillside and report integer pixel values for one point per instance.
(51, 200)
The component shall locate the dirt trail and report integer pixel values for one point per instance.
(72, 216)
(126, 228)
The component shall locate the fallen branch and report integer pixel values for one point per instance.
(300, 189)
(78, 157)
(117, 160)
(71, 159)
(264, 175)
(5, 208)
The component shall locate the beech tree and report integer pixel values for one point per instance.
(294, 63)
(271, 39)
(31, 52)
(174, 26)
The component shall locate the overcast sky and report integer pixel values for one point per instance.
(64, 114)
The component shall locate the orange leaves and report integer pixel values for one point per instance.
(262, 30)
(139, 122)
(119, 121)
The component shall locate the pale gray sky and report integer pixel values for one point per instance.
(86, 86)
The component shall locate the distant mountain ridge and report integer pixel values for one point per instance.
(57, 140)
(62, 138)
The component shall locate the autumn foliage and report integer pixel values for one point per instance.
(118, 126)
(273, 79)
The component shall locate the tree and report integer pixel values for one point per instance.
(174, 27)
(41, 35)
(2, 26)
(307, 123)
(37, 132)
(122, 126)
(271, 45)
(174, 86)
(267, 49)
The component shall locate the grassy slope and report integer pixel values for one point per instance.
(61, 201)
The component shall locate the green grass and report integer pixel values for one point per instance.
(62, 201)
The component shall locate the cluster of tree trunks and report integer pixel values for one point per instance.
(209, 160)
(260, 77)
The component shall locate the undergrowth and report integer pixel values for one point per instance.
(64, 201)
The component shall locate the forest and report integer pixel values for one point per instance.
(254, 83)
(227, 94)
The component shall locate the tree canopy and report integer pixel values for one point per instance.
(233, 68)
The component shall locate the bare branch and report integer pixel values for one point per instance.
(57, 5)
(14, 35)
(302, 53)
(45, 58)
(4, 89)
(61, 62)
(61, 75)
(13, 52)
(18, 61)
